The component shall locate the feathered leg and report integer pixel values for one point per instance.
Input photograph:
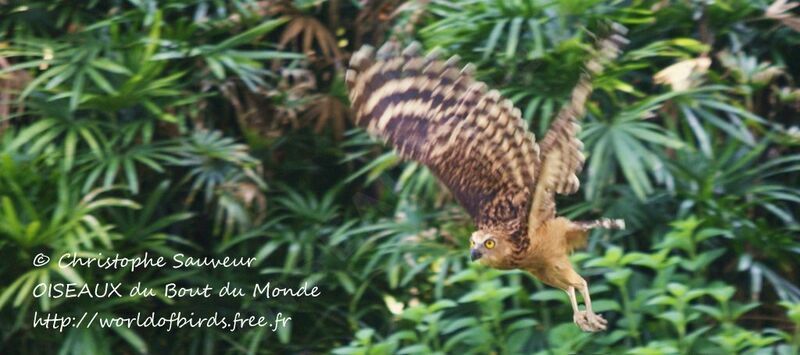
(587, 320)
(553, 267)
(561, 274)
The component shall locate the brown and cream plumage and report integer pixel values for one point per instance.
(478, 145)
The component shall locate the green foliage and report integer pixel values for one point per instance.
(216, 129)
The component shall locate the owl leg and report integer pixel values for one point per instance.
(562, 275)
(574, 301)
(587, 320)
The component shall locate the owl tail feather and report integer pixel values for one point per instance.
(605, 223)
(576, 238)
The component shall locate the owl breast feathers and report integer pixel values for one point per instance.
(474, 140)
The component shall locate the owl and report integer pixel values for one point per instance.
(477, 144)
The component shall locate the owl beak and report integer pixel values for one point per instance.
(475, 254)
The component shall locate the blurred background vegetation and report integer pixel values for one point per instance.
(222, 128)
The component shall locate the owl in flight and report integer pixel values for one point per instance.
(478, 145)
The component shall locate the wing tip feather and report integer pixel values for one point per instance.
(362, 58)
(412, 50)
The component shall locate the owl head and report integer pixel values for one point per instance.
(489, 248)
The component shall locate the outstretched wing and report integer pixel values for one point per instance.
(562, 157)
(433, 112)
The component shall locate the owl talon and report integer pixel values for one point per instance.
(589, 321)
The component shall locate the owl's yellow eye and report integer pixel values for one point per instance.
(489, 244)
(471, 243)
